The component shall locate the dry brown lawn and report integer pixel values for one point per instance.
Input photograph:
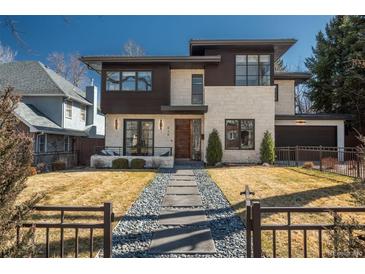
(83, 188)
(277, 186)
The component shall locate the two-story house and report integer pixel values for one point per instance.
(62, 119)
(153, 103)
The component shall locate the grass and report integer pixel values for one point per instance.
(83, 188)
(276, 186)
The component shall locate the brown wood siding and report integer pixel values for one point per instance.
(223, 74)
(183, 138)
(305, 136)
(85, 147)
(137, 102)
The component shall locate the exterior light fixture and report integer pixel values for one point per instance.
(300, 122)
(116, 124)
(160, 124)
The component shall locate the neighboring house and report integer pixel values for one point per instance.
(153, 103)
(63, 120)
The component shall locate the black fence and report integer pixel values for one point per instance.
(47, 158)
(340, 160)
(133, 151)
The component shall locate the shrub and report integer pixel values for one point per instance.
(58, 165)
(120, 163)
(137, 163)
(308, 165)
(214, 149)
(267, 149)
(32, 171)
(329, 162)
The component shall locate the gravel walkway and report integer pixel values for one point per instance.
(133, 234)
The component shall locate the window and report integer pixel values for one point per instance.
(83, 112)
(253, 70)
(41, 140)
(276, 92)
(129, 80)
(197, 89)
(67, 146)
(240, 134)
(138, 137)
(68, 105)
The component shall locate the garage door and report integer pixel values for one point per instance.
(305, 136)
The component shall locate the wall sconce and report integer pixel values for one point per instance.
(300, 122)
(160, 124)
(116, 124)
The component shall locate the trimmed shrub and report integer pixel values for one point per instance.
(308, 165)
(138, 163)
(214, 149)
(120, 163)
(58, 165)
(329, 162)
(267, 149)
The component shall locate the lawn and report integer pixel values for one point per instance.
(277, 186)
(84, 188)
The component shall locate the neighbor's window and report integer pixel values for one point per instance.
(83, 112)
(68, 104)
(240, 134)
(276, 92)
(197, 89)
(41, 140)
(129, 80)
(67, 143)
(253, 70)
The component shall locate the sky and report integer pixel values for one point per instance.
(158, 35)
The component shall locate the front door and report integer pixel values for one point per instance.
(183, 138)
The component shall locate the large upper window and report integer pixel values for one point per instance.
(253, 70)
(240, 134)
(197, 89)
(129, 80)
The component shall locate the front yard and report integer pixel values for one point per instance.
(84, 188)
(277, 186)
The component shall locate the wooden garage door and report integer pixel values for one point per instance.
(182, 139)
(305, 136)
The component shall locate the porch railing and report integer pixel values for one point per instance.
(133, 151)
(341, 160)
(70, 158)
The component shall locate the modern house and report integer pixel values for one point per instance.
(64, 121)
(157, 103)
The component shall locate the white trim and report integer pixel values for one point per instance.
(66, 110)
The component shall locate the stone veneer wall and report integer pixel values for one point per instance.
(151, 161)
(251, 102)
(286, 102)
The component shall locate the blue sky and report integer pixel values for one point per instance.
(159, 35)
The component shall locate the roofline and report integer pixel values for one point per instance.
(298, 77)
(315, 116)
(58, 95)
(152, 59)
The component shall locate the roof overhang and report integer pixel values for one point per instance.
(280, 46)
(191, 109)
(315, 116)
(95, 62)
(298, 77)
(56, 131)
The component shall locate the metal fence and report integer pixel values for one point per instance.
(69, 158)
(133, 151)
(341, 160)
(106, 226)
(255, 228)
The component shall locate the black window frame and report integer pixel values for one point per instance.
(120, 72)
(192, 89)
(239, 135)
(258, 65)
(139, 135)
(276, 92)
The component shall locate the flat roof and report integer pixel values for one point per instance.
(189, 109)
(315, 116)
(298, 76)
(95, 62)
(280, 46)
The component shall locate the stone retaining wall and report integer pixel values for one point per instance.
(151, 161)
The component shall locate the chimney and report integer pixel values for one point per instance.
(92, 97)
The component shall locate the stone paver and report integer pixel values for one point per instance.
(188, 240)
(183, 183)
(182, 178)
(187, 172)
(182, 201)
(182, 217)
(179, 190)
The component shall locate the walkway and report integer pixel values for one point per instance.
(182, 213)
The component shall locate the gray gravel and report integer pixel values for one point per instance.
(133, 234)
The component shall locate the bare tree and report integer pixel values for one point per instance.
(279, 65)
(71, 69)
(131, 48)
(7, 55)
(302, 102)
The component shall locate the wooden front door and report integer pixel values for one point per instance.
(183, 138)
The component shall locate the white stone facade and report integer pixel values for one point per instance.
(286, 98)
(151, 161)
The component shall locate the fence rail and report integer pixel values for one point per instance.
(340, 160)
(254, 226)
(69, 158)
(133, 151)
(106, 226)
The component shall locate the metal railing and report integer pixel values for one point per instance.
(69, 158)
(106, 226)
(133, 151)
(254, 226)
(340, 160)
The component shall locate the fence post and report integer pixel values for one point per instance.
(288, 154)
(358, 165)
(256, 229)
(296, 155)
(248, 229)
(108, 209)
(320, 158)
